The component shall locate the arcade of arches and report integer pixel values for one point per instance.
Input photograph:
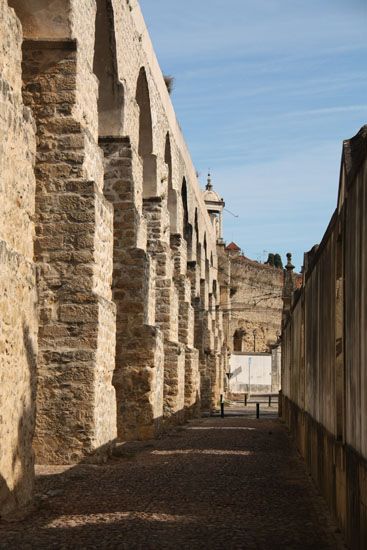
(111, 321)
(119, 300)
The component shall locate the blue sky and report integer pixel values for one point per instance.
(265, 92)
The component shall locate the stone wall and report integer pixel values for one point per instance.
(255, 302)
(18, 297)
(168, 221)
(100, 197)
(324, 376)
(73, 249)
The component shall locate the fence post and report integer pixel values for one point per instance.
(257, 410)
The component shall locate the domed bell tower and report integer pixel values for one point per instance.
(215, 205)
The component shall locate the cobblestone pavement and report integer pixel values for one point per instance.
(217, 483)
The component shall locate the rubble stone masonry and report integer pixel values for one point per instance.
(110, 319)
(254, 323)
(18, 296)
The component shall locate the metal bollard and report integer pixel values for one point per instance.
(245, 399)
(269, 400)
(257, 410)
(222, 409)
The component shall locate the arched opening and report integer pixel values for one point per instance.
(185, 207)
(198, 253)
(145, 147)
(52, 62)
(207, 264)
(215, 289)
(205, 248)
(196, 225)
(111, 91)
(172, 193)
(238, 337)
(43, 18)
(187, 227)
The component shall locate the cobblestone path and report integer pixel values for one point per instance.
(217, 483)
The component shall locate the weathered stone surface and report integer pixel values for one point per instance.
(100, 197)
(18, 295)
(174, 382)
(324, 375)
(256, 292)
(18, 355)
(192, 383)
(75, 397)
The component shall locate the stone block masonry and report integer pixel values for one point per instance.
(109, 306)
(254, 323)
(138, 374)
(18, 293)
(73, 248)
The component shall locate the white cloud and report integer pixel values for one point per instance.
(329, 110)
(211, 27)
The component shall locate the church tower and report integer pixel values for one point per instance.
(215, 205)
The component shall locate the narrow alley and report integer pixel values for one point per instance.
(235, 482)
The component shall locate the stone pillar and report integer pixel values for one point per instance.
(18, 293)
(199, 304)
(224, 298)
(218, 387)
(204, 344)
(288, 288)
(186, 324)
(138, 377)
(186, 336)
(211, 361)
(276, 359)
(214, 357)
(76, 405)
(167, 309)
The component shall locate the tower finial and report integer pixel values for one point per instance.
(209, 185)
(289, 265)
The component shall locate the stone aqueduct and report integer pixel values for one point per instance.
(110, 318)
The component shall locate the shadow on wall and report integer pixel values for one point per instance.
(19, 496)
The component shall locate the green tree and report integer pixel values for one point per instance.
(271, 259)
(278, 261)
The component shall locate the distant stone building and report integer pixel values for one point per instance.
(251, 304)
(256, 291)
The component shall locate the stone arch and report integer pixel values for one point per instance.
(111, 90)
(52, 63)
(238, 337)
(187, 227)
(172, 193)
(207, 264)
(196, 226)
(145, 146)
(205, 247)
(46, 19)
